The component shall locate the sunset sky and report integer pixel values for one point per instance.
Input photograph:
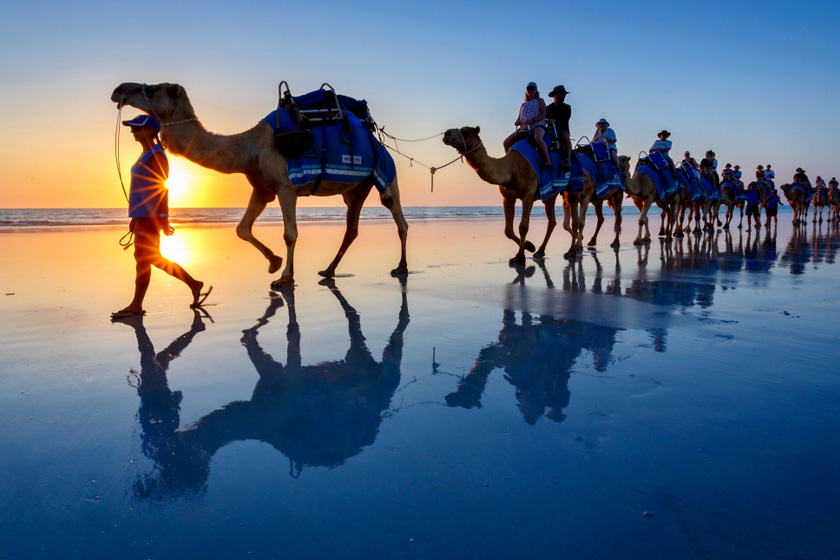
(757, 82)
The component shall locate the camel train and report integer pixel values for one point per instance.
(254, 153)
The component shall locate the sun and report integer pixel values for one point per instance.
(181, 184)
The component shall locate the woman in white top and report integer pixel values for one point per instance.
(531, 118)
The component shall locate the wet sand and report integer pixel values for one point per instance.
(672, 401)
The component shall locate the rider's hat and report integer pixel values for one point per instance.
(664, 133)
(603, 121)
(558, 90)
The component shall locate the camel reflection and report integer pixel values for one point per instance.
(316, 415)
(815, 247)
(537, 354)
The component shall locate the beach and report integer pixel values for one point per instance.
(674, 400)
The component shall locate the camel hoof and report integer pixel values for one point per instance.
(539, 254)
(530, 247)
(638, 242)
(517, 260)
(401, 270)
(274, 264)
(570, 254)
(326, 273)
(591, 243)
(282, 283)
(726, 228)
(615, 244)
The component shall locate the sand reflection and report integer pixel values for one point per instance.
(316, 415)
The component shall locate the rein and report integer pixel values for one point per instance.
(460, 157)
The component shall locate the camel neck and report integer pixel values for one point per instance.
(492, 170)
(226, 154)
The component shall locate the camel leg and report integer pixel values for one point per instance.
(524, 222)
(581, 215)
(260, 197)
(354, 200)
(617, 209)
(509, 207)
(599, 213)
(288, 205)
(391, 200)
(570, 214)
(552, 223)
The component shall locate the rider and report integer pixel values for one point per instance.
(606, 135)
(531, 118)
(770, 175)
(558, 114)
(690, 161)
(728, 174)
(736, 174)
(820, 184)
(663, 146)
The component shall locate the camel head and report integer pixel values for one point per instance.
(624, 163)
(166, 102)
(462, 139)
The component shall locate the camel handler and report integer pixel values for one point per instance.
(558, 114)
(148, 208)
(753, 210)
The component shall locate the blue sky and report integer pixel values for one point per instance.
(755, 81)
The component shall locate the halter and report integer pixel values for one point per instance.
(159, 120)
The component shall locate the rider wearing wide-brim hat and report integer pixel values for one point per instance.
(606, 135)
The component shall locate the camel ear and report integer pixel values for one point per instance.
(477, 129)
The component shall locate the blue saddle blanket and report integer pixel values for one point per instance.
(662, 178)
(799, 187)
(551, 180)
(342, 152)
(688, 177)
(601, 170)
(708, 185)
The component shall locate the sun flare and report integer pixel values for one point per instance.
(176, 248)
(181, 183)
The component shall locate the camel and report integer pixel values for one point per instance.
(728, 198)
(833, 205)
(642, 190)
(820, 201)
(255, 154)
(798, 201)
(614, 199)
(518, 181)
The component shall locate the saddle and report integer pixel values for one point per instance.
(297, 116)
(657, 161)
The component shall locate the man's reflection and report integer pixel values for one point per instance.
(318, 415)
(160, 407)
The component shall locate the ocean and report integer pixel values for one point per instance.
(11, 219)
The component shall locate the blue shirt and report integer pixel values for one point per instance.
(609, 136)
(752, 196)
(663, 146)
(148, 196)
